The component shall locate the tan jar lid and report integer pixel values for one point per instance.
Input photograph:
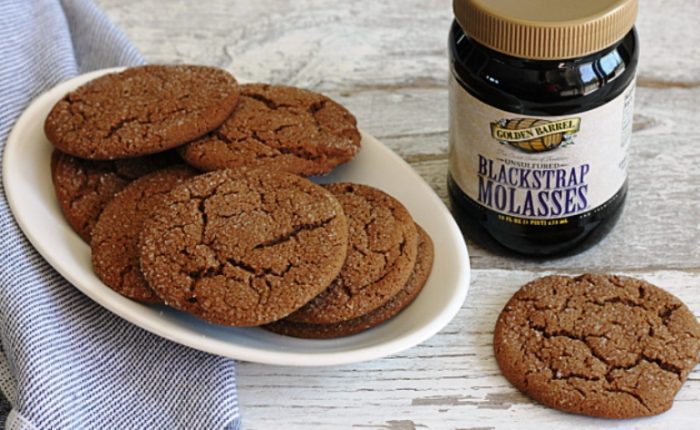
(546, 29)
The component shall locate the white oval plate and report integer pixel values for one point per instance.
(27, 181)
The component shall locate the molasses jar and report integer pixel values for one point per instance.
(541, 96)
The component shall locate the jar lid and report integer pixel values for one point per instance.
(546, 29)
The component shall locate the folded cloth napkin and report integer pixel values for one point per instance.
(67, 363)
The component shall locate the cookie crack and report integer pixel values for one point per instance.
(201, 207)
(286, 237)
(568, 335)
(282, 127)
(665, 366)
(122, 274)
(558, 376)
(256, 137)
(279, 149)
(632, 394)
(256, 273)
(114, 129)
(218, 270)
(204, 273)
(616, 282)
(263, 296)
(580, 391)
(262, 142)
(359, 250)
(387, 271)
(564, 307)
(86, 189)
(667, 312)
(616, 300)
(222, 137)
(174, 112)
(313, 110)
(271, 104)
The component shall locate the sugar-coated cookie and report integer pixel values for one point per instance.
(244, 249)
(599, 345)
(280, 128)
(142, 110)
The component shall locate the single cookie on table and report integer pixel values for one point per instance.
(84, 187)
(243, 249)
(115, 250)
(142, 110)
(598, 345)
(282, 128)
(414, 285)
(382, 251)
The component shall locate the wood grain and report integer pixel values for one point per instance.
(332, 45)
(387, 62)
(450, 381)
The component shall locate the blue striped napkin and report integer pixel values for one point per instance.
(67, 363)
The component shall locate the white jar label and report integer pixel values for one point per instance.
(538, 167)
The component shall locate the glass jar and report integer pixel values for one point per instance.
(541, 97)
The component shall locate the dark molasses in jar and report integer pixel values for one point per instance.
(541, 97)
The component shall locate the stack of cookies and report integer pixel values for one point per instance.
(191, 191)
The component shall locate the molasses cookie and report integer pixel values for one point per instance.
(115, 251)
(282, 128)
(421, 271)
(84, 187)
(244, 248)
(381, 254)
(142, 110)
(599, 345)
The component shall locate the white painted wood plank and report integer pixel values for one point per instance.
(450, 381)
(329, 44)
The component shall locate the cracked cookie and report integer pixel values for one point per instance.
(243, 248)
(282, 128)
(114, 245)
(382, 249)
(599, 345)
(84, 187)
(419, 275)
(142, 110)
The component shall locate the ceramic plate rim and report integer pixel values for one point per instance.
(129, 310)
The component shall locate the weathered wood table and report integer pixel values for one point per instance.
(387, 62)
